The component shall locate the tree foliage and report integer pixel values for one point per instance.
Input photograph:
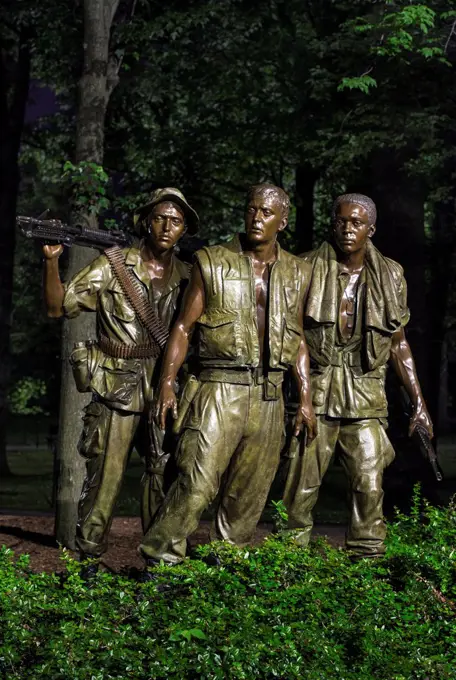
(211, 97)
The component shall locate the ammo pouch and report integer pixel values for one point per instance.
(188, 394)
(272, 386)
(82, 363)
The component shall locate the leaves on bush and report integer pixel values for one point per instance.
(277, 611)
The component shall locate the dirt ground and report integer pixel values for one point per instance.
(33, 535)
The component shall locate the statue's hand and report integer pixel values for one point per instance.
(51, 252)
(166, 400)
(421, 417)
(305, 416)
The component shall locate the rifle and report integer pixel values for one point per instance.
(422, 439)
(55, 231)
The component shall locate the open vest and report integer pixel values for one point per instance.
(228, 331)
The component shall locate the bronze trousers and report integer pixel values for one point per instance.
(231, 441)
(365, 451)
(107, 440)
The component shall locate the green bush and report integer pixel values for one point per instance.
(276, 611)
(26, 396)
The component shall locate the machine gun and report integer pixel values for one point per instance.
(421, 438)
(54, 231)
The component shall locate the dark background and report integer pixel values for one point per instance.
(317, 97)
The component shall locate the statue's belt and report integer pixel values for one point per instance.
(342, 356)
(241, 376)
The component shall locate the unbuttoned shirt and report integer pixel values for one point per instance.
(344, 389)
(127, 384)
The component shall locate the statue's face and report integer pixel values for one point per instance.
(264, 217)
(351, 228)
(166, 225)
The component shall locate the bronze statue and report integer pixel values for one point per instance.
(135, 293)
(354, 324)
(245, 299)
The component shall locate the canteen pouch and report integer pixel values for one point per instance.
(188, 394)
(81, 360)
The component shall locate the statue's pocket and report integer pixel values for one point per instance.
(291, 341)
(189, 391)
(217, 335)
(369, 388)
(116, 383)
(115, 302)
(94, 431)
(319, 383)
(188, 446)
(291, 298)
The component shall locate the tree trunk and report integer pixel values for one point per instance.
(13, 100)
(98, 79)
(306, 177)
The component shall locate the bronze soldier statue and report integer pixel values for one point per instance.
(120, 368)
(354, 324)
(246, 300)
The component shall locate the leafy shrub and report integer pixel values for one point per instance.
(26, 396)
(276, 611)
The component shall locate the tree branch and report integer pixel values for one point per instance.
(112, 74)
(453, 27)
(437, 594)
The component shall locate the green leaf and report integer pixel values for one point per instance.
(363, 83)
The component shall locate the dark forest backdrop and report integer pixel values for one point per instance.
(102, 101)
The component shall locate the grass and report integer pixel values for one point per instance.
(30, 485)
(29, 488)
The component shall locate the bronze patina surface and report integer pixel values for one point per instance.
(355, 316)
(245, 304)
(119, 415)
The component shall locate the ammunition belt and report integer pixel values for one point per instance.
(135, 295)
(119, 350)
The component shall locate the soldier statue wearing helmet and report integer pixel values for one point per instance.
(120, 368)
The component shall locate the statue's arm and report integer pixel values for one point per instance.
(54, 291)
(305, 415)
(401, 359)
(193, 306)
